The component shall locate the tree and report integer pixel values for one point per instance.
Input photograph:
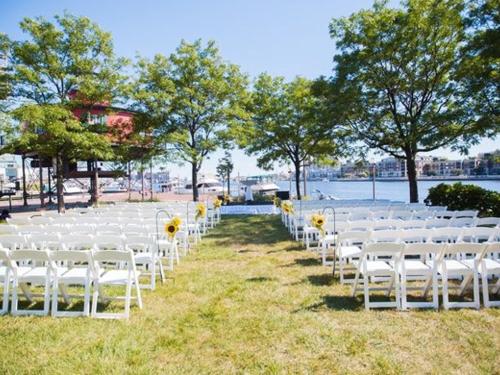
(195, 97)
(288, 125)
(224, 169)
(394, 79)
(480, 70)
(62, 65)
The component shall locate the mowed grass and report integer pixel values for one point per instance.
(249, 300)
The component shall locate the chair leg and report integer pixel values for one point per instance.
(138, 292)
(366, 291)
(95, 298)
(128, 293)
(435, 290)
(86, 298)
(486, 294)
(46, 301)
(15, 298)
(404, 303)
(55, 295)
(397, 290)
(5, 303)
(475, 290)
(446, 301)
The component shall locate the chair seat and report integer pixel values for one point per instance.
(141, 258)
(414, 266)
(349, 251)
(329, 238)
(377, 266)
(492, 266)
(3, 272)
(115, 277)
(452, 266)
(73, 275)
(33, 275)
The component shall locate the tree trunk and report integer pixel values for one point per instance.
(129, 182)
(411, 170)
(229, 184)
(297, 180)
(25, 193)
(194, 182)
(151, 178)
(95, 190)
(142, 181)
(59, 185)
(40, 173)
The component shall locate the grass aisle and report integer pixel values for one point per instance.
(248, 300)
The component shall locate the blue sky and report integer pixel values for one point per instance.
(281, 37)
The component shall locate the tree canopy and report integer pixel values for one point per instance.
(288, 125)
(194, 96)
(395, 79)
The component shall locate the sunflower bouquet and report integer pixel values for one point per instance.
(217, 203)
(277, 202)
(318, 222)
(287, 207)
(201, 211)
(172, 227)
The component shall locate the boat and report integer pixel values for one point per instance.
(266, 188)
(205, 186)
(72, 189)
(114, 187)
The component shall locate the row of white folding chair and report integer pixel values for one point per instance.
(55, 270)
(146, 248)
(432, 235)
(398, 263)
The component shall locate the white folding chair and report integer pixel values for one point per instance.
(469, 271)
(71, 267)
(5, 278)
(487, 222)
(462, 222)
(490, 269)
(146, 255)
(13, 241)
(371, 265)
(116, 276)
(38, 273)
(412, 265)
(349, 247)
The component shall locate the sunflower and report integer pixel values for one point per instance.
(217, 203)
(176, 221)
(287, 207)
(171, 229)
(201, 211)
(318, 222)
(277, 202)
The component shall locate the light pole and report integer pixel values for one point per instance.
(374, 172)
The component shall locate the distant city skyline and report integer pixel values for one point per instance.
(286, 38)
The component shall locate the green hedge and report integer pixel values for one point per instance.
(465, 197)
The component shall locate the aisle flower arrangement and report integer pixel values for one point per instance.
(287, 207)
(277, 202)
(201, 211)
(318, 222)
(172, 227)
(217, 203)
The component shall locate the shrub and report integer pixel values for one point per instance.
(465, 197)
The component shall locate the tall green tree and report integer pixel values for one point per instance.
(394, 80)
(288, 125)
(225, 168)
(59, 66)
(480, 68)
(195, 96)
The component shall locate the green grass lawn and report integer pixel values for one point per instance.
(249, 300)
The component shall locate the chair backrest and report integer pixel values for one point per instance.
(412, 224)
(353, 237)
(430, 250)
(109, 229)
(13, 241)
(70, 256)
(462, 222)
(140, 244)
(437, 223)
(415, 235)
(445, 234)
(488, 222)
(360, 225)
(466, 213)
(403, 215)
(385, 214)
(20, 221)
(32, 228)
(78, 242)
(383, 249)
(479, 234)
(108, 242)
(476, 249)
(25, 255)
(444, 214)
(385, 236)
(102, 256)
(8, 229)
(423, 215)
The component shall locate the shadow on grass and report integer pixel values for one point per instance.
(321, 280)
(334, 303)
(261, 279)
